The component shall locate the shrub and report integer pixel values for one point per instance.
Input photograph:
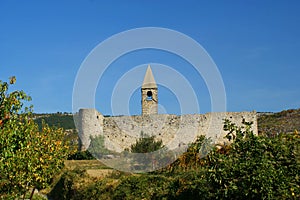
(97, 146)
(146, 144)
(143, 187)
(66, 188)
(81, 155)
(256, 167)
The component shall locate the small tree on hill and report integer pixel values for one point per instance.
(145, 158)
(146, 144)
(97, 146)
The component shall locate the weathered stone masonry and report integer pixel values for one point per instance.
(121, 132)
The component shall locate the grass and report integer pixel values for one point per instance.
(98, 173)
(85, 164)
(93, 168)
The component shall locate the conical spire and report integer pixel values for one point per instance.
(149, 81)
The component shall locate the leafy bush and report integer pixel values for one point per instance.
(145, 157)
(146, 144)
(81, 155)
(66, 187)
(143, 187)
(97, 146)
(256, 167)
(193, 157)
(102, 189)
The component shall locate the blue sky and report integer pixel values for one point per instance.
(255, 45)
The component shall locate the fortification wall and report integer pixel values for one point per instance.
(121, 132)
(90, 123)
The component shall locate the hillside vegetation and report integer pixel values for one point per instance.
(266, 166)
(286, 121)
(252, 167)
(62, 120)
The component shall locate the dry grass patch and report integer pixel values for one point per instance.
(99, 173)
(85, 164)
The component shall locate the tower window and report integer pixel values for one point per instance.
(149, 95)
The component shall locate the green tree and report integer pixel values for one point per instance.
(146, 144)
(146, 158)
(193, 157)
(29, 158)
(97, 146)
(255, 167)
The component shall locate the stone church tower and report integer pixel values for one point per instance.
(149, 94)
(120, 132)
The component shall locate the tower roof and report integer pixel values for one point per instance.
(149, 81)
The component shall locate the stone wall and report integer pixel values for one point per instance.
(121, 132)
(89, 123)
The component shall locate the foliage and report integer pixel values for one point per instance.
(256, 167)
(146, 144)
(97, 146)
(96, 149)
(251, 167)
(146, 158)
(286, 121)
(60, 120)
(64, 121)
(127, 187)
(76, 184)
(192, 158)
(143, 187)
(81, 155)
(71, 136)
(28, 157)
(101, 189)
(66, 188)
